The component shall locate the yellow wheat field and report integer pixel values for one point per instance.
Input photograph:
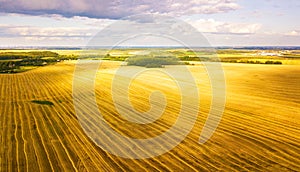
(259, 131)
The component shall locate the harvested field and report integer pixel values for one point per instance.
(259, 131)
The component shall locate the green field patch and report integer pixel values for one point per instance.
(11, 60)
(25, 68)
(48, 58)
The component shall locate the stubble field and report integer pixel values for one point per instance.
(259, 130)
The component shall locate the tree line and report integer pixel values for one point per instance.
(11, 62)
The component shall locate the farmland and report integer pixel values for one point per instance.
(16, 61)
(259, 130)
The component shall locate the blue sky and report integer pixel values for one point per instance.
(222, 22)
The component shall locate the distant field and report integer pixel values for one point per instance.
(12, 60)
(16, 61)
(259, 130)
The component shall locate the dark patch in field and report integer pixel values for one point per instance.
(42, 102)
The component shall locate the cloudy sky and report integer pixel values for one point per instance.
(222, 22)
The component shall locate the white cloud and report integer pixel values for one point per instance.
(293, 33)
(50, 32)
(218, 27)
(67, 27)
